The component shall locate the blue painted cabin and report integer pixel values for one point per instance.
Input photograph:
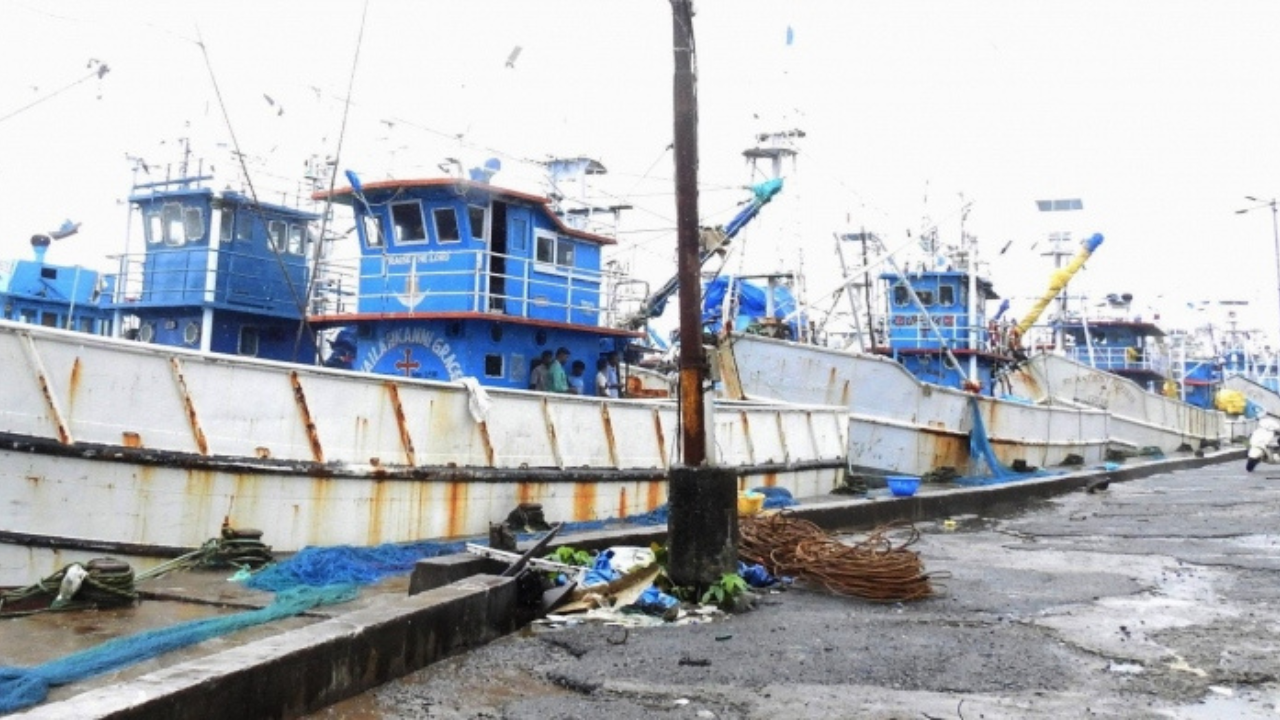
(943, 298)
(219, 272)
(60, 296)
(457, 277)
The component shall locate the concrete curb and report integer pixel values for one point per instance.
(307, 669)
(304, 670)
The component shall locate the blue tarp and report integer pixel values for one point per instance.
(752, 303)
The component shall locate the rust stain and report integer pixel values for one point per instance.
(406, 441)
(662, 440)
(64, 434)
(378, 506)
(73, 386)
(456, 498)
(317, 450)
(844, 394)
(770, 479)
(262, 453)
(746, 438)
(525, 492)
(551, 433)
(654, 494)
(622, 503)
(488, 444)
(197, 433)
(584, 501)
(608, 434)
(131, 439)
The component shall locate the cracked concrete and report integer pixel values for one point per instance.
(1157, 598)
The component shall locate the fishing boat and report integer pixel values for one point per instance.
(941, 383)
(39, 292)
(214, 406)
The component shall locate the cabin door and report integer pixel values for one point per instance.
(498, 258)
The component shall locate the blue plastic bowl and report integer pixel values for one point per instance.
(903, 485)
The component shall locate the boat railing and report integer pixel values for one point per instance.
(913, 333)
(1114, 358)
(470, 281)
(215, 276)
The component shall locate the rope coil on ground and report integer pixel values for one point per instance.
(876, 568)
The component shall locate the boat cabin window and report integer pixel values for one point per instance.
(277, 231)
(244, 224)
(27, 315)
(946, 295)
(226, 223)
(901, 298)
(446, 220)
(554, 250)
(493, 366)
(248, 344)
(926, 297)
(174, 225)
(477, 216)
(296, 246)
(374, 234)
(407, 218)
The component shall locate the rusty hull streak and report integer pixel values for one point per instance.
(317, 451)
(197, 433)
(73, 386)
(456, 498)
(406, 440)
(488, 444)
(551, 433)
(622, 503)
(662, 440)
(782, 437)
(608, 434)
(584, 501)
(130, 439)
(654, 494)
(42, 379)
(746, 438)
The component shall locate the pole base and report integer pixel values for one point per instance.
(702, 528)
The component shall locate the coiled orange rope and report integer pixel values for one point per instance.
(874, 568)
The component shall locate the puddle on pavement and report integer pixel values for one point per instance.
(1227, 704)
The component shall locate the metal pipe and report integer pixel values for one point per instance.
(692, 360)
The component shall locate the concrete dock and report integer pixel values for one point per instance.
(297, 666)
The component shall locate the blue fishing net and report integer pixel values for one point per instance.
(347, 564)
(980, 450)
(24, 687)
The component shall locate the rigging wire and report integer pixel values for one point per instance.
(333, 179)
(253, 193)
(98, 72)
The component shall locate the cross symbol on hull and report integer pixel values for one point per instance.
(408, 364)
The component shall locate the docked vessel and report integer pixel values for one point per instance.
(211, 411)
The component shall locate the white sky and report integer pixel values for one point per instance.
(1161, 116)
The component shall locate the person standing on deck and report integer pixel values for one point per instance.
(611, 372)
(602, 378)
(538, 375)
(556, 379)
(577, 383)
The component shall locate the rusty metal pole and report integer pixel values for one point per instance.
(702, 529)
(692, 361)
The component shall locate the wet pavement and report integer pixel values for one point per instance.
(1154, 598)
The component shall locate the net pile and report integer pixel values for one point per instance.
(876, 568)
(24, 687)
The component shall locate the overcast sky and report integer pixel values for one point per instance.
(1160, 116)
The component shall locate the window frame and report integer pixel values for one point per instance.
(421, 225)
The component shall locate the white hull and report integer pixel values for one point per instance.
(899, 424)
(121, 446)
(1139, 418)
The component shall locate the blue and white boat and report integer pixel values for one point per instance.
(208, 408)
(38, 292)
